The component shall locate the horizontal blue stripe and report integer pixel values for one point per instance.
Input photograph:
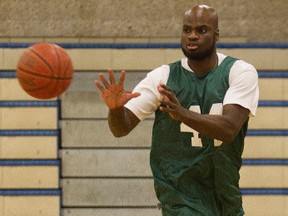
(48, 162)
(265, 162)
(253, 45)
(56, 133)
(29, 162)
(272, 103)
(263, 191)
(54, 103)
(273, 74)
(27, 192)
(149, 45)
(29, 133)
(267, 133)
(57, 103)
(57, 192)
(261, 74)
(6, 74)
(246, 162)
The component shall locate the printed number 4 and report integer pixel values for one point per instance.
(216, 109)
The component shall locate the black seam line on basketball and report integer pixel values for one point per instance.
(44, 60)
(36, 74)
(56, 84)
(58, 58)
(67, 66)
(39, 88)
(69, 63)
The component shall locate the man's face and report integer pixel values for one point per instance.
(199, 35)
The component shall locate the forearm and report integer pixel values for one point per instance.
(214, 126)
(121, 121)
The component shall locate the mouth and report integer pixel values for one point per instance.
(192, 46)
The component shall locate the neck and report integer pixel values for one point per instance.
(203, 66)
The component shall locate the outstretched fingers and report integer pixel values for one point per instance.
(111, 77)
(104, 81)
(106, 84)
(99, 86)
(122, 78)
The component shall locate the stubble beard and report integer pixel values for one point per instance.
(199, 55)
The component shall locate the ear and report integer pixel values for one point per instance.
(217, 34)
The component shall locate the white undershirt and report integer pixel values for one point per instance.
(243, 88)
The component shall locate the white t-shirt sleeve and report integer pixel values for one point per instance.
(148, 102)
(243, 86)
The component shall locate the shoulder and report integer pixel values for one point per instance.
(162, 69)
(242, 65)
(159, 74)
(243, 86)
(238, 65)
(243, 78)
(239, 68)
(243, 69)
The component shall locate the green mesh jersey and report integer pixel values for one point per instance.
(192, 179)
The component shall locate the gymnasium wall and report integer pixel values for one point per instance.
(90, 20)
(57, 157)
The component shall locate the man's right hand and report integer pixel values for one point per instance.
(113, 94)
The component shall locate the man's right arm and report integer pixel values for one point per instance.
(122, 121)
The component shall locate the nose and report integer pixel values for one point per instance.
(193, 36)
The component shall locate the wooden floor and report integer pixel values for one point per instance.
(57, 157)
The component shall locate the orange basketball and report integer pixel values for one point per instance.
(44, 70)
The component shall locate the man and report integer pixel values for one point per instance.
(202, 105)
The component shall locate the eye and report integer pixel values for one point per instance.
(202, 30)
(186, 30)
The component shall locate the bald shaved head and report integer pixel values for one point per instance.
(199, 34)
(204, 11)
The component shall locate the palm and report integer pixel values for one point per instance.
(113, 94)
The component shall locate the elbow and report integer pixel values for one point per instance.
(229, 136)
(228, 139)
(118, 134)
(119, 131)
